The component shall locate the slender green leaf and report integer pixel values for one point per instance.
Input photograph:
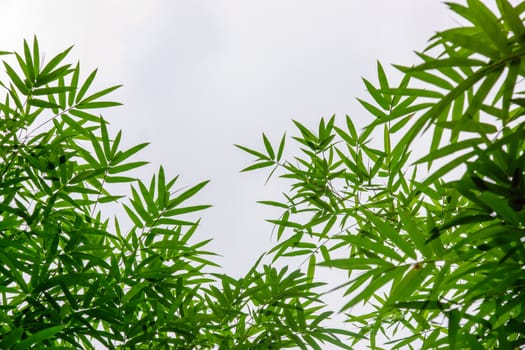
(100, 104)
(85, 86)
(187, 194)
(16, 80)
(39, 336)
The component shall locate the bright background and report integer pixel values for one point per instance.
(201, 75)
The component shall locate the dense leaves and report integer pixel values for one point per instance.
(424, 207)
(72, 276)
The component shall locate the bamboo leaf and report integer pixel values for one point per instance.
(55, 61)
(376, 112)
(411, 281)
(252, 152)
(311, 268)
(85, 86)
(281, 147)
(99, 94)
(100, 104)
(258, 166)
(187, 194)
(52, 90)
(453, 326)
(28, 62)
(38, 337)
(511, 17)
(180, 211)
(268, 146)
(376, 94)
(42, 104)
(392, 234)
(16, 80)
(489, 23)
(501, 207)
(471, 40)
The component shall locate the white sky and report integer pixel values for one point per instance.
(200, 76)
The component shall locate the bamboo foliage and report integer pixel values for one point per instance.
(423, 207)
(72, 277)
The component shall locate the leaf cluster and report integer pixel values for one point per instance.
(424, 208)
(74, 277)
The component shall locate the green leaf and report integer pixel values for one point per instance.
(416, 235)
(55, 61)
(101, 104)
(258, 166)
(109, 199)
(468, 125)
(353, 264)
(508, 88)
(100, 94)
(16, 80)
(450, 149)
(501, 207)
(372, 109)
(11, 338)
(414, 92)
(115, 146)
(453, 326)
(84, 115)
(378, 281)
(42, 104)
(136, 289)
(38, 337)
(422, 305)
(73, 84)
(311, 267)
(133, 217)
(36, 57)
(411, 281)
(487, 85)
(85, 86)
(268, 146)
(464, 37)
(122, 156)
(120, 179)
(58, 73)
(489, 23)
(252, 152)
(383, 82)
(180, 211)
(101, 157)
(447, 62)
(29, 63)
(138, 204)
(274, 204)
(374, 247)
(162, 193)
(61, 95)
(52, 90)
(376, 94)
(281, 147)
(511, 17)
(104, 136)
(445, 169)
(187, 194)
(392, 234)
(125, 167)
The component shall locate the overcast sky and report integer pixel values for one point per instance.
(200, 76)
